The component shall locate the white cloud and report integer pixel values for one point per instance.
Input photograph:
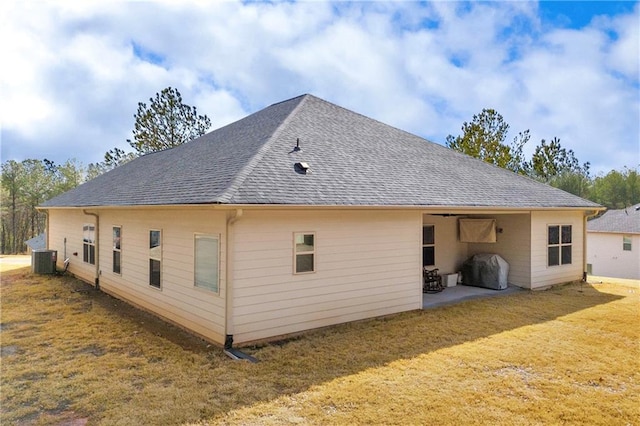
(77, 72)
(624, 51)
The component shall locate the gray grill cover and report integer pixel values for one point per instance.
(486, 270)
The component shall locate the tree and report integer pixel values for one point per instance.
(574, 182)
(38, 187)
(26, 185)
(559, 167)
(166, 123)
(113, 158)
(485, 137)
(12, 176)
(67, 176)
(551, 160)
(617, 190)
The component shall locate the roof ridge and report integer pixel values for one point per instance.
(290, 99)
(244, 173)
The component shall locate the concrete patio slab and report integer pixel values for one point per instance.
(459, 293)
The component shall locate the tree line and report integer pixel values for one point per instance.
(164, 123)
(485, 137)
(167, 122)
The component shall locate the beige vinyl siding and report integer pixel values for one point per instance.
(450, 253)
(178, 300)
(367, 264)
(513, 245)
(543, 275)
(68, 224)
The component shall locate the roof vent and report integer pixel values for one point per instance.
(297, 147)
(302, 168)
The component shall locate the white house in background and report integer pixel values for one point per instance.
(304, 215)
(613, 244)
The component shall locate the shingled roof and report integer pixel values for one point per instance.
(624, 221)
(352, 160)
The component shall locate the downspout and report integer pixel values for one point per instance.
(97, 245)
(584, 242)
(46, 228)
(228, 324)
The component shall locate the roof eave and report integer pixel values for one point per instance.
(434, 208)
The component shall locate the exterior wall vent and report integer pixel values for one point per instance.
(302, 168)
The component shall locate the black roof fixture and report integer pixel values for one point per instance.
(297, 147)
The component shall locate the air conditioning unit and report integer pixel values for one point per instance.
(43, 261)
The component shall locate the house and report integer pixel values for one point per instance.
(304, 215)
(613, 244)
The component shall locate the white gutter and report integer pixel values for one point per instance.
(434, 208)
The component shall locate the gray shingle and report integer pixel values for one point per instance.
(354, 161)
(625, 221)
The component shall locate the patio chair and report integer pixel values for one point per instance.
(432, 281)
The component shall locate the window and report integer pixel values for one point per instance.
(206, 262)
(304, 252)
(89, 243)
(155, 258)
(117, 247)
(559, 245)
(626, 243)
(428, 245)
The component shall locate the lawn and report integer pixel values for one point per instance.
(569, 355)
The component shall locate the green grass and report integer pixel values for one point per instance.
(567, 355)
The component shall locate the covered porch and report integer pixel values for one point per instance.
(445, 248)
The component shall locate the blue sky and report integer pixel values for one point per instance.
(578, 14)
(75, 71)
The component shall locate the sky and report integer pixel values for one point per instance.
(73, 73)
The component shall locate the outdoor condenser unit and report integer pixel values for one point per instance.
(43, 261)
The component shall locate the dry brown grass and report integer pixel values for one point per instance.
(568, 355)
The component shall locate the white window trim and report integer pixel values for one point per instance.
(206, 289)
(114, 249)
(624, 242)
(559, 245)
(424, 225)
(312, 252)
(159, 258)
(92, 244)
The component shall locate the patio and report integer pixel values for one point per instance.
(460, 293)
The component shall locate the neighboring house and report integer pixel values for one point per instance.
(304, 215)
(613, 244)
